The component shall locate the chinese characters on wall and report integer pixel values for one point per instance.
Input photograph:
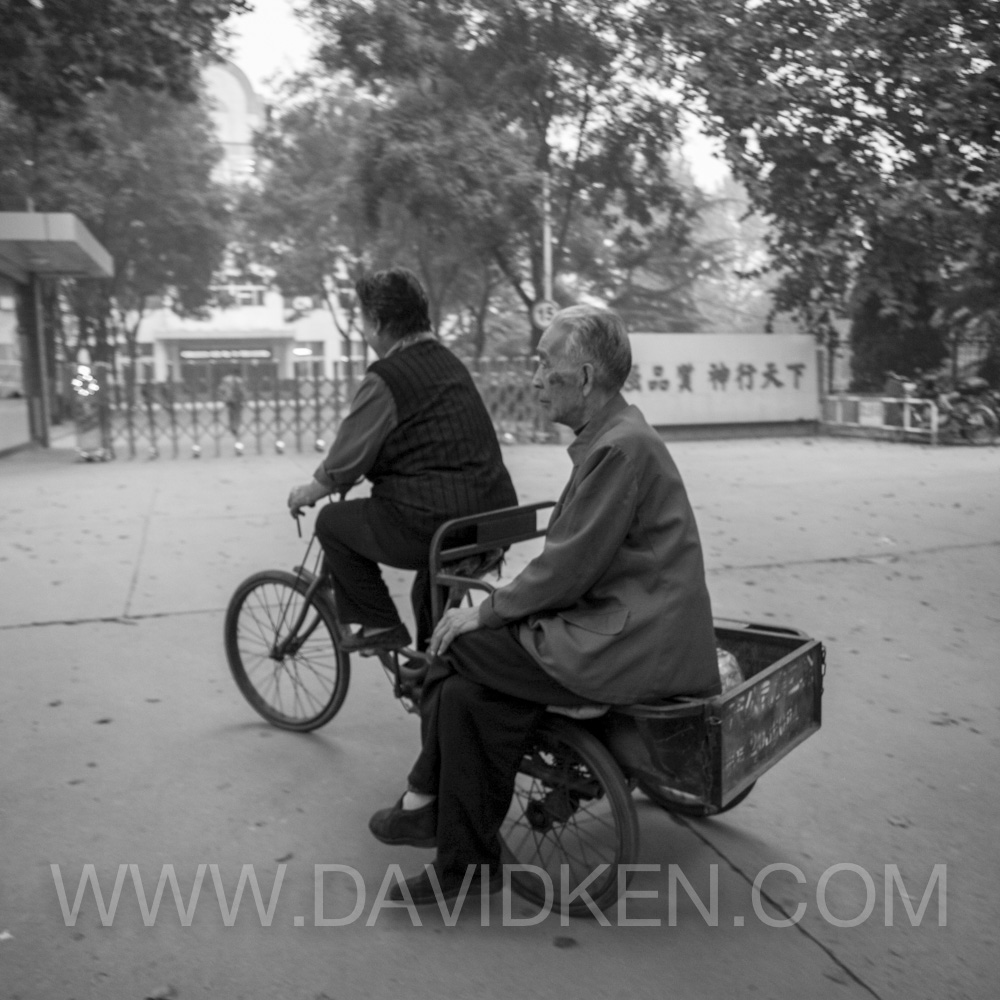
(721, 378)
(718, 376)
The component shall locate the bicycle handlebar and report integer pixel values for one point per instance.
(331, 497)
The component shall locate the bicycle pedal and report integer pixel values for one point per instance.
(409, 695)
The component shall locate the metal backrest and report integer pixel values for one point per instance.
(475, 535)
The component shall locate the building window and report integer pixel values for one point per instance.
(229, 296)
(308, 368)
(249, 296)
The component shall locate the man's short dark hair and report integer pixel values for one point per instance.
(395, 301)
(599, 336)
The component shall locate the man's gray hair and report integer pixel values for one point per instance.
(598, 336)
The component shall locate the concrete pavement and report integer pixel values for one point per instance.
(124, 741)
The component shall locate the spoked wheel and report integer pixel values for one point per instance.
(299, 681)
(685, 804)
(571, 816)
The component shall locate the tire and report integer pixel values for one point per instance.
(305, 688)
(980, 425)
(571, 813)
(684, 804)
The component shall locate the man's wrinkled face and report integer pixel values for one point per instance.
(558, 378)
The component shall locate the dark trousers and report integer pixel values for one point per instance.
(235, 412)
(356, 536)
(480, 706)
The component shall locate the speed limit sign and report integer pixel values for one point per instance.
(543, 312)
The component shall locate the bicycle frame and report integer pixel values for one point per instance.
(477, 538)
(292, 642)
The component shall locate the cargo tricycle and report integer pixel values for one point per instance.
(573, 813)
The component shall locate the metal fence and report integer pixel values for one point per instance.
(506, 390)
(175, 419)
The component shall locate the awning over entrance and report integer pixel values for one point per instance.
(47, 243)
(36, 245)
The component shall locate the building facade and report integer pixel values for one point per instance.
(11, 382)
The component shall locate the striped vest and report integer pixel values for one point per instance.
(442, 460)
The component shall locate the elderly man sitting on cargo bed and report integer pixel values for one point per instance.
(615, 610)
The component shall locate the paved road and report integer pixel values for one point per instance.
(124, 742)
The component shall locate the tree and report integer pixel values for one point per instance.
(491, 324)
(314, 225)
(301, 217)
(882, 341)
(735, 293)
(649, 273)
(480, 100)
(142, 183)
(858, 129)
(55, 53)
(433, 183)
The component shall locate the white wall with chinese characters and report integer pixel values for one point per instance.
(723, 378)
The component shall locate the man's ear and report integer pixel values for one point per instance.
(587, 383)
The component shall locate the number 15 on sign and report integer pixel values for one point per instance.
(543, 312)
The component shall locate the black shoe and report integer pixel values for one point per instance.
(423, 892)
(412, 827)
(396, 637)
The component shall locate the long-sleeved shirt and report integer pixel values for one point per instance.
(371, 419)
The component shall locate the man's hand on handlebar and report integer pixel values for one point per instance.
(306, 495)
(454, 622)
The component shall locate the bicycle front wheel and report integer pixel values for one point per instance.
(284, 651)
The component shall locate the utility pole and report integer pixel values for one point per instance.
(544, 308)
(546, 239)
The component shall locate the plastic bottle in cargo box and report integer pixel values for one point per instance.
(729, 670)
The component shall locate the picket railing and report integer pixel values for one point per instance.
(908, 416)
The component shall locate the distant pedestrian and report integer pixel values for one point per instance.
(232, 392)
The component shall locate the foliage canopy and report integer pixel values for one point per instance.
(53, 53)
(868, 134)
(480, 100)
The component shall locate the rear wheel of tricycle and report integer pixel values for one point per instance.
(572, 817)
(296, 682)
(684, 804)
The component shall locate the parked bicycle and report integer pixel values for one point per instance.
(965, 414)
(974, 404)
